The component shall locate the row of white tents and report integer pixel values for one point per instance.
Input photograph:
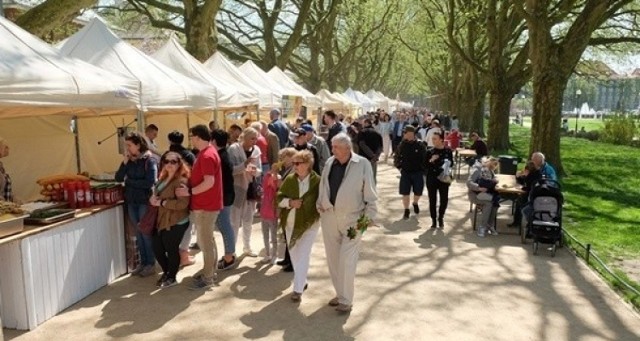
(107, 83)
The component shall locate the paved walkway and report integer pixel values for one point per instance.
(413, 284)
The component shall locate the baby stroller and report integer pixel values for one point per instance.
(544, 223)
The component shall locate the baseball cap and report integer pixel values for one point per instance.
(307, 127)
(300, 132)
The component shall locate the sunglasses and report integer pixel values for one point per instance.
(173, 162)
(297, 163)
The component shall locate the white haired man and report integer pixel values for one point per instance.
(347, 191)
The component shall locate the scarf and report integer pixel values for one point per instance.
(307, 214)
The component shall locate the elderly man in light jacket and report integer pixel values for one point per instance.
(347, 190)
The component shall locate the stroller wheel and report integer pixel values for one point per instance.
(535, 248)
(553, 250)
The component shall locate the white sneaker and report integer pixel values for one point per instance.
(492, 231)
(250, 253)
(481, 231)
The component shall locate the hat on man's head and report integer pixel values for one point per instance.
(307, 127)
(409, 129)
(300, 132)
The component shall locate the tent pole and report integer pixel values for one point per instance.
(74, 124)
(140, 121)
(189, 127)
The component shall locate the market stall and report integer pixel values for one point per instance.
(47, 268)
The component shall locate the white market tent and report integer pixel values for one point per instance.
(333, 101)
(258, 76)
(379, 98)
(173, 55)
(36, 79)
(40, 90)
(222, 68)
(366, 103)
(162, 89)
(308, 99)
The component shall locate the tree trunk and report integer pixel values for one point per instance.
(549, 80)
(546, 117)
(500, 103)
(200, 27)
(52, 14)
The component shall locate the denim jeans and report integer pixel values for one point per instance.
(224, 225)
(144, 243)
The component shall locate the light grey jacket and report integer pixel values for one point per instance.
(240, 177)
(357, 193)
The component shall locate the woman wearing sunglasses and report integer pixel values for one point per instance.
(299, 217)
(173, 216)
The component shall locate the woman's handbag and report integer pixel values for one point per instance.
(254, 192)
(446, 174)
(148, 221)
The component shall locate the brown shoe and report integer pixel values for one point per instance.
(334, 302)
(343, 308)
(296, 297)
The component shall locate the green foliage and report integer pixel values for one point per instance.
(619, 129)
(601, 197)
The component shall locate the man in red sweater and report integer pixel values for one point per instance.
(206, 201)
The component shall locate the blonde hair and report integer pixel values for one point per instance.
(305, 156)
(248, 132)
(256, 125)
(286, 152)
(490, 162)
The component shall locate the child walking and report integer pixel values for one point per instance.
(269, 214)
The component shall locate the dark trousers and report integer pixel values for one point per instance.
(166, 246)
(519, 203)
(435, 187)
(395, 141)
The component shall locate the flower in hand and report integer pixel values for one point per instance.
(361, 225)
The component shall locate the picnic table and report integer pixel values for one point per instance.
(463, 153)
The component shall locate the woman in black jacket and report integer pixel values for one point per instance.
(436, 158)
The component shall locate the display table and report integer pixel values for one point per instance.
(46, 269)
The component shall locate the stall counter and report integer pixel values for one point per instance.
(45, 269)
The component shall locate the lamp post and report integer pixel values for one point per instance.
(578, 93)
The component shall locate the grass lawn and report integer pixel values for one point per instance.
(602, 197)
(589, 124)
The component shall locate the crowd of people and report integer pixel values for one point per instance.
(291, 177)
(299, 184)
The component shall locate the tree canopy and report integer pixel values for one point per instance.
(450, 55)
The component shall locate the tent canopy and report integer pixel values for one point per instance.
(220, 66)
(366, 103)
(258, 76)
(309, 99)
(162, 89)
(36, 79)
(173, 55)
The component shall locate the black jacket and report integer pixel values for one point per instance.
(435, 168)
(369, 143)
(411, 156)
(228, 193)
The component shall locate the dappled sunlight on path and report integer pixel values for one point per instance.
(412, 283)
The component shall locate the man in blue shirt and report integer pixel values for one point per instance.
(279, 128)
(398, 130)
(544, 170)
(547, 171)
